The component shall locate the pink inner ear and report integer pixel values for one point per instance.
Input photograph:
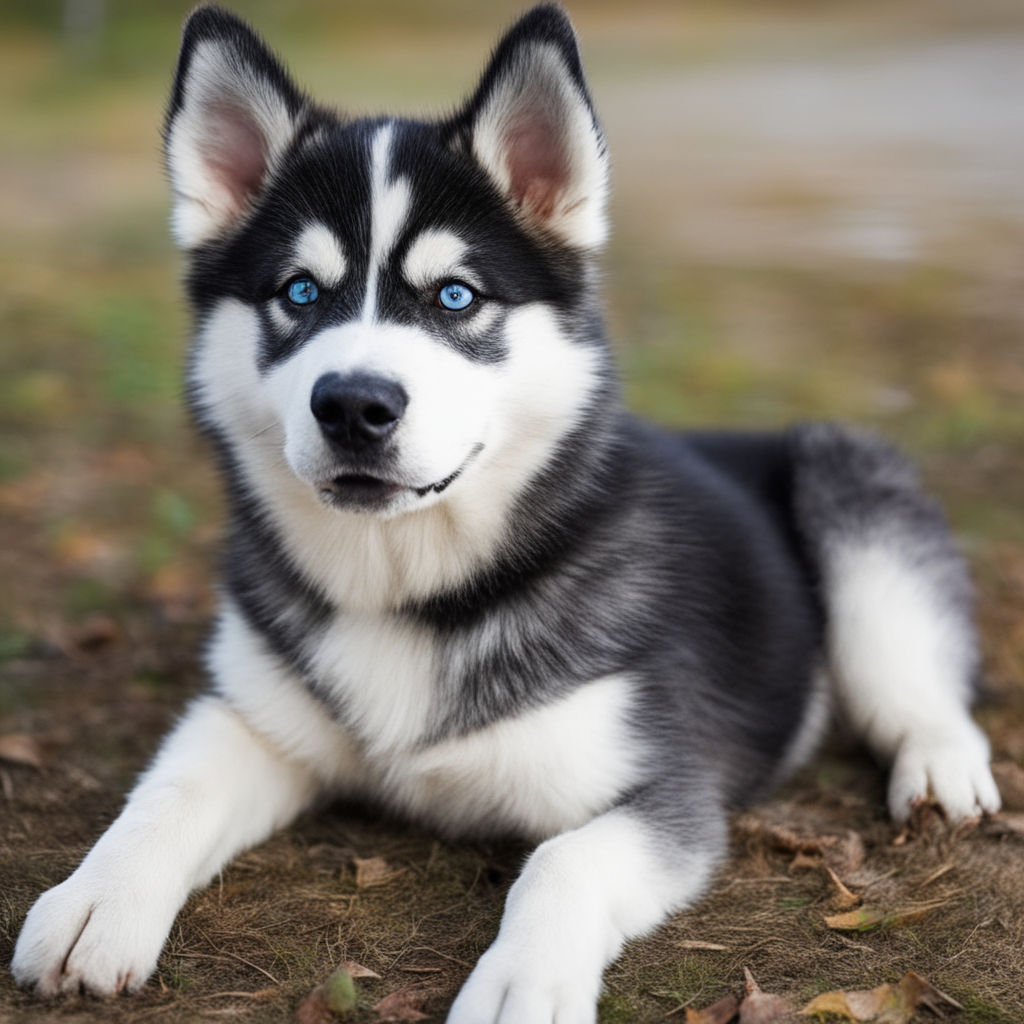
(537, 163)
(235, 151)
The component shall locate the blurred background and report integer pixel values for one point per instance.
(819, 211)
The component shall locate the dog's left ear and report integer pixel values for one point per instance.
(532, 128)
(234, 111)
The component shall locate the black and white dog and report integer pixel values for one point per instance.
(460, 580)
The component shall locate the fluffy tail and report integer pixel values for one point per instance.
(901, 643)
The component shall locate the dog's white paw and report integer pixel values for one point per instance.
(513, 985)
(951, 764)
(84, 937)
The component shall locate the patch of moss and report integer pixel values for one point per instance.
(980, 1011)
(615, 1009)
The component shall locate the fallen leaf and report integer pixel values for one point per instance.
(371, 871)
(1009, 778)
(842, 897)
(918, 992)
(760, 1007)
(805, 861)
(1004, 824)
(858, 1005)
(886, 1004)
(843, 852)
(868, 918)
(926, 821)
(721, 1012)
(358, 970)
(404, 1004)
(20, 749)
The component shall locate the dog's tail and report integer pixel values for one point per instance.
(901, 644)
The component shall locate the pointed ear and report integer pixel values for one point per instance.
(233, 113)
(531, 126)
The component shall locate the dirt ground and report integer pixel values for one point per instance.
(818, 214)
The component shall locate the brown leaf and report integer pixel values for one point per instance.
(868, 918)
(886, 1004)
(721, 1012)
(844, 852)
(371, 871)
(915, 991)
(841, 897)
(358, 970)
(805, 861)
(1004, 824)
(1009, 778)
(858, 1005)
(926, 821)
(404, 1004)
(20, 749)
(760, 1007)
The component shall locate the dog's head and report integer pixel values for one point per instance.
(388, 305)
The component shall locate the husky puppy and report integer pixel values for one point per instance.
(463, 582)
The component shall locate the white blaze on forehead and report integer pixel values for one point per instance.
(389, 207)
(434, 257)
(319, 252)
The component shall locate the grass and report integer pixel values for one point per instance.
(109, 506)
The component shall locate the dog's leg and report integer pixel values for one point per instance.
(902, 647)
(582, 895)
(904, 682)
(215, 788)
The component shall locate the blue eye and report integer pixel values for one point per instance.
(455, 296)
(303, 291)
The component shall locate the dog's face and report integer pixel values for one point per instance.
(387, 305)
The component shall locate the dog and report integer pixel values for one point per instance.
(460, 580)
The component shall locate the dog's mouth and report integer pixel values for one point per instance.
(359, 490)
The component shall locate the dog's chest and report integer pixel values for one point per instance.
(536, 772)
(545, 770)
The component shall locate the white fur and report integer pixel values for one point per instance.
(319, 252)
(448, 415)
(215, 788)
(579, 898)
(384, 669)
(278, 705)
(538, 85)
(203, 206)
(549, 769)
(435, 256)
(902, 672)
(521, 409)
(389, 205)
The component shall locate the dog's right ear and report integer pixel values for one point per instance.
(233, 113)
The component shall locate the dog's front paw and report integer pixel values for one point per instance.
(82, 936)
(515, 985)
(951, 764)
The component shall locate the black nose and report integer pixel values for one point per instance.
(359, 410)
